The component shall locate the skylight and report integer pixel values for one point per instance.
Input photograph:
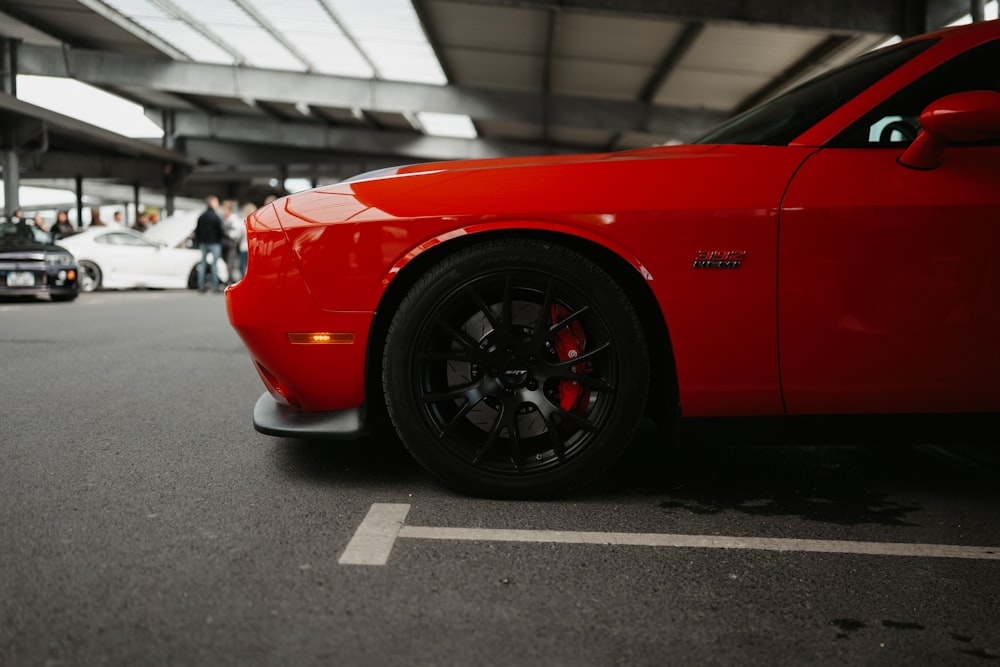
(87, 103)
(356, 38)
(446, 124)
(352, 38)
(390, 33)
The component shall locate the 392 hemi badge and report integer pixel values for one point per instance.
(719, 259)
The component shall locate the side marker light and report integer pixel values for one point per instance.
(320, 338)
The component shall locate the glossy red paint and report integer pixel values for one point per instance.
(888, 295)
(273, 300)
(843, 281)
(964, 117)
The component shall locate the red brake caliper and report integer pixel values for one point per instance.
(570, 343)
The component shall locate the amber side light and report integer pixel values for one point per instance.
(320, 338)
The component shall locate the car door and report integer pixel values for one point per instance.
(889, 284)
(138, 262)
(889, 278)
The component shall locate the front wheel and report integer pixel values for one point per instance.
(516, 369)
(90, 276)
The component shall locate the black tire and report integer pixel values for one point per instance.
(91, 277)
(479, 374)
(193, 276)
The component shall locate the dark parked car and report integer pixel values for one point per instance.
(30, 266)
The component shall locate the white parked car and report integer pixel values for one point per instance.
(115, 257)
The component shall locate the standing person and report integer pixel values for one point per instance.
(208, 235)
(40, 222)
(118, 218)
(141, 222)
(62, 227)
(231, 224)
(95, 217)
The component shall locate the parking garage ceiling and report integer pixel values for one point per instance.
(534, 76)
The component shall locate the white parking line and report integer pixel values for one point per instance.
(373, 541)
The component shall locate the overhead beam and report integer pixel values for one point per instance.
(238, 162)
(851, 16)
(78, 130)
(101, 192)
(66, 164)
(407, 146)
(120, 70)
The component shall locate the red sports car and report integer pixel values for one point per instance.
(833, 252)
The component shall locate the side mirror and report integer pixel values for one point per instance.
(969, 116)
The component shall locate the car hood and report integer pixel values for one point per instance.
(173, 231)
(529, 161)
(12, 249)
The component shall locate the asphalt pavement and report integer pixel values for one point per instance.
(143, 521)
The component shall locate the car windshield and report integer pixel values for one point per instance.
(16, 232)
(779, 121)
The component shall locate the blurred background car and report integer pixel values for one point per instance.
(119, 258)
(29, 266)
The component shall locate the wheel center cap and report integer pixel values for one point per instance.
(513, 374)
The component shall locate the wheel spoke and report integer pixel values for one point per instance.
(505, 422)
(566, 321)
(557, 444)
(572, 417)
(483, 307)
(491, 439)
(507, 312)
(457, 335)
(469, 392)
(472, 397)
(540, 329)
(509, 422)
(452, 354)
(592, 382)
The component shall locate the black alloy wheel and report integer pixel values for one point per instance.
(516, 369)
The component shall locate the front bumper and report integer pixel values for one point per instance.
(60, 282)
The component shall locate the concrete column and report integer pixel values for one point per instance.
(79, 201)
(978, 10)
(11, 160)
(11, 181)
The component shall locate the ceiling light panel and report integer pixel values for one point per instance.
(447, 124)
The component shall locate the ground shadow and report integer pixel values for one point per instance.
(834, 483)
(837, 484)
(375, 460)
